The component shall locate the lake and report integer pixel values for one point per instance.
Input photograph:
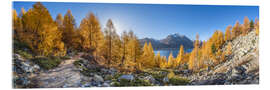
(166, 52)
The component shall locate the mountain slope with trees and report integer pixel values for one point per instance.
(240, 67)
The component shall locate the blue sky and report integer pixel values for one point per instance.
(155, 20)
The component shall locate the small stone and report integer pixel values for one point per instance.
(105, 85)
(98, 78)
(165, 80)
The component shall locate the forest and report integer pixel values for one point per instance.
(36, 34)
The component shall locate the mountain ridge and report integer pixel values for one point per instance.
(169, 42)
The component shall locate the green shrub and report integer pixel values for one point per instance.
(139, 82)
(47, 62)
(159, 77)
(24, 54)
(178, 81)
(17, 45)
(136, 82)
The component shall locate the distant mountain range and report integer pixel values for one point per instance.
(171, 41)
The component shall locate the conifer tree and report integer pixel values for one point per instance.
(191, 60)
(228, 33)
(91, 34)
(148, 56)
(220, 39)
(180, 55)
(112, 45)
(256, 25)
(68, 30)
(194, 55)
(236, 30)
(171, 61)
(41, 33)
(251, 24)
(246, 26)
(133, 49)
(151, 55)
(59, 21)
(158, 59)
(17, 25)
(125, 41)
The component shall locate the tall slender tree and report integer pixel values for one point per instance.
(68, 30)
(112, 44)
(228, 33)
(246, 26)
(180, 55)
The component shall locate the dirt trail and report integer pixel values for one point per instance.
(65, 75)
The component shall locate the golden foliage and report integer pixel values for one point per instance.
(257, 26)
(180, 55)
(90, 34)
(40, 32)
(148, 56)
(228, 33)
(246, 26)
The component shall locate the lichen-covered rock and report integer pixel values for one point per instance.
(150, 79)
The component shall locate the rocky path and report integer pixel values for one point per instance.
(65, 75)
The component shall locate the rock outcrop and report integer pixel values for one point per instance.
(23, 71)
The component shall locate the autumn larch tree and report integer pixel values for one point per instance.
(256, 26)
(17, 25)
(59, 21)
(91, 35)
(171, 61)
(40, 32)
(133, 50)
(112, 44)
(246, 26)
(180, 55)
(125, 40)
(236, 30)
(68, 30)
(158, 59)
(228, 33)
(194, 55)
(151, 55)
(148, 56)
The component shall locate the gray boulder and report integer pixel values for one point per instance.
(126, 77)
